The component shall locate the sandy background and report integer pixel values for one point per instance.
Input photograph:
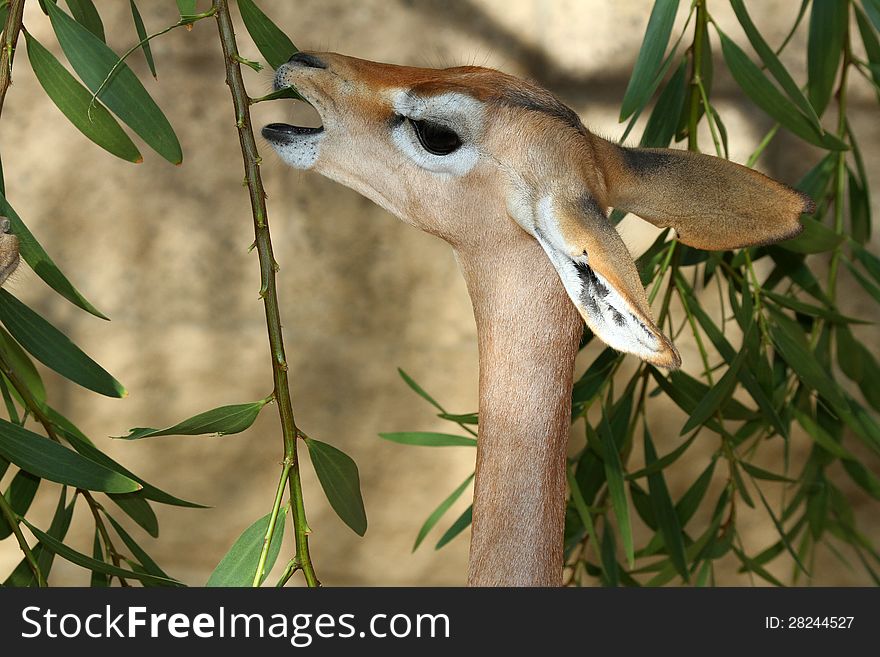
(162, 250)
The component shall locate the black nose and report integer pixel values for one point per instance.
(306, 60)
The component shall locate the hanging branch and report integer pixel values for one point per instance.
(268, 293)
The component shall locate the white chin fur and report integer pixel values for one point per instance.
(300, 151)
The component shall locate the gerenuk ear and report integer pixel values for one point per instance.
(711, 203)
(601, 278)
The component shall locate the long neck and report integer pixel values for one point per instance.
(528, 334)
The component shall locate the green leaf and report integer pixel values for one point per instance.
(440, 511)
(57, 530)
(828, 23)
(87, 449)
(41, 263)
(793, 346)
(662, 463)
(863, 477)
(142, 36)
(661, 125)
(719, 393)
(815, 238)
(186, 7)
(87, 15)
(766, 96)
(98, 580)
(464, 418)
(644, 80)
(859, 210)
(429, 439)
(872, 8)
(220, 421)
(810, 309)
(587, 387)
(664, 512)
(137, 551)
(690, 501)
(728, 353)
(460, 524)
(123, 94)
(820, 436)
(52, 348)
(339, 478)
(760, 473)
(872, 45)
(23, 367)
(609, 558)
(239, 564)
(771, 61)
(136, 507)
(73, 100)
(22, 576)
(19, 495)
(272, 43)
(614, 474)
(419, 390)
(47, 459)
(89, 563)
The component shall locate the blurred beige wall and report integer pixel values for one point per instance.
(163, 251)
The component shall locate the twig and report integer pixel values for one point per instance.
(268, 291)
(10, 39)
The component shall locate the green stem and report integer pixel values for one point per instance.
(268, 290)
(291, 567)
(102, 530)
(270, 530)
(13, 521)
(696, 68)
(187, 22)
(761, 146)
(10, 38)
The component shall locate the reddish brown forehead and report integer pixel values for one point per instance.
(484, 84)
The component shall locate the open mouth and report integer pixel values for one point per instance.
(283, 132)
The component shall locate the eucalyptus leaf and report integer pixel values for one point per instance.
(52, 348)
(49, 460)
(664, 512)
(74, 100)
(766, 96)
(220, 421)
(338, 475)
(615, 475)
(828, 24)
(429, 439)
(643, 80)
(86, 14)
(440, 511)
(272, 43)
(142, 36)
(461, 523)
(124, 94)
(19, 495)
(62, 550)
(239, 564)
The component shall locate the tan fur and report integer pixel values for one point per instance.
(713, 204)
(610, 257)
(530, 147)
